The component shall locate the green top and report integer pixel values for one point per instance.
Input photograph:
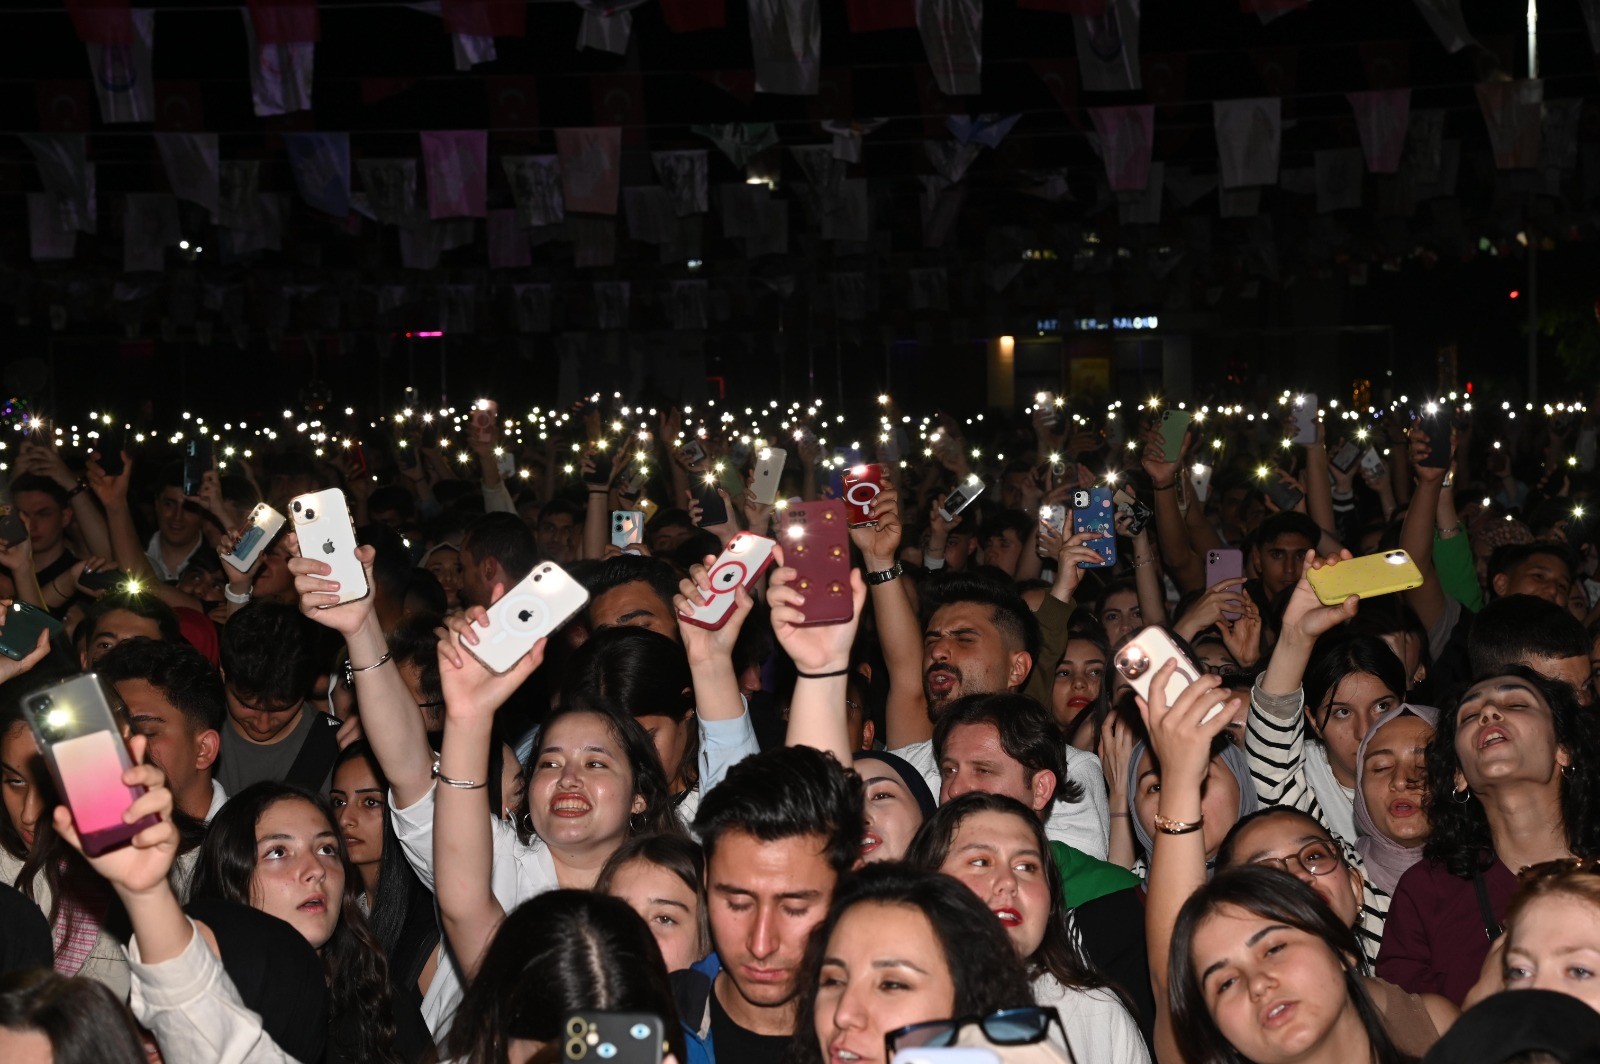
(1054, 617)
(1085, 878)
(1458, 570)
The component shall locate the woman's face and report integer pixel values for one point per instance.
(19, 781)
(1121, 615)
(1391, 779)
(358, 803)
(997, 855)
(892, 814)
(1283, 838)
(445, 564)
(1219, 800)
(667, 904)
(299, 874)
(1276, 993)
(671, 738)
(1347, 716)
(1079, 678)
(883, 969)
(1555, 945)
(1505, 734)
(581, 792)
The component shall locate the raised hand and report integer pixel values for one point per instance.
(319, 598)
(110, 489)
(41, 647)
(880, 543)
(471, 691)
(1181, 733)
(1242, 636)
(818, 648)
(703, 644)
(1305, 617)
(142, 866)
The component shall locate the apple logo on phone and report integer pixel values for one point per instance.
(327, 548)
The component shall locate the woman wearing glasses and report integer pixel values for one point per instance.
(902, 948)
(1511, 783)
(1280, 837)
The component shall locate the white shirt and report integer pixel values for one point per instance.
(518, 871)
(1099, 1028)
(152, 551)
(1084, 825)
(723, 744)
(218, 797)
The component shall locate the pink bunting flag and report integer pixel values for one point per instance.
(1126, 135)
(1108, 47)
(1513, 111)
(1382, 119)
(456, 162)
(591, 168)
(1249, 139)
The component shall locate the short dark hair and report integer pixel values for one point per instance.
(1507, 557)
(671, 517)
(612, 573)
(985, 972)
(1288, 523)
(239, 490)
(561, 506)
(266, 654)
(505, 538)
(1009, 610)
(997, 523)
(391, 560)
(415, 642)
(1028, 735)
(636, 672)
(784, 793)
(139, 603)
(1512, 629)
(35, 482)
(392, 497)
(179, 671)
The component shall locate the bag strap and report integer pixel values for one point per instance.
(317, 754)
(1491, 926)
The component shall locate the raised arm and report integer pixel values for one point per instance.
(389, 715)
(821, 654)
(1172, 532)
(1416, 534)
(44, 460)
(463, 838)
(112, 491)
(899, 632)
(710, 653)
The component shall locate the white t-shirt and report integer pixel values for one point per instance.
(1098, 1025)
(1084, 825)
(518, 871)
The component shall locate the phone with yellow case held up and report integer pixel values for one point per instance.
(1369, 576)
(540, 603)
(325, 532)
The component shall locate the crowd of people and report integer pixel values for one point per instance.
(1363, 828)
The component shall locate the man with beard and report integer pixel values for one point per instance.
(980, 638)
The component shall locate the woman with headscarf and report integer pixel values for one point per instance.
(1228, 795)
(1390, 807)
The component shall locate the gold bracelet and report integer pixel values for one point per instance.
(1168, 826)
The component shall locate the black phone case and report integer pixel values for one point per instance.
(1437, 426)
(21, 632)
(712, 510)
(109, 447)
(196, 464)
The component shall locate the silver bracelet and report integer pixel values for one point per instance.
(463, 785)
(237, 600)
(368, 668)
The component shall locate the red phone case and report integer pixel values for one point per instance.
(862, 484)
(816, 543)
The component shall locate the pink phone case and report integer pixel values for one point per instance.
(816, 543)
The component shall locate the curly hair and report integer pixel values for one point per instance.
(358, 971)
(1460, 840)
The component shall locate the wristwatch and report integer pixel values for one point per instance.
(886, 575)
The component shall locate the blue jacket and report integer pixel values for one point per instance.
(692, 990)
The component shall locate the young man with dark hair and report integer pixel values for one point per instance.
(496, 550)
(1531, 631)
(560, 531)
(668, 529)
(779, 832)
(632, 590)
(1543, 570)
(174, 698)
(120, 615)
(179, 527)
(273, 733)
(47, 509)
(1279, 553)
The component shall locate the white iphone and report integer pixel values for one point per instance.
(1141, 657)
(768, 471)
(546, 599)
(322, 524)
(258, 531)
(1200, 480)
(740, 564)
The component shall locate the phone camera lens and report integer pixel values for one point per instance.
(311, 515)
(297, 507)
(538, 577)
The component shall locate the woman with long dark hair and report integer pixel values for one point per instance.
(1313, 704)
(561, 952)
(663, 878)
(278, 848)
(397, 905)
(899, 946)
(1511, 783)
(997, 847)
(1262, 971)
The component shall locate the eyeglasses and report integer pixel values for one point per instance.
(1007, 1027)
(1560, 866)
(1318, 858)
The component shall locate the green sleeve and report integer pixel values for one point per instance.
(1054, 617)
(1458, 571)
(1085, 878)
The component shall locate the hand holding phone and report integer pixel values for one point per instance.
(1143, 655)
(541, 603)
(1224, 564)
(324, 531)
(816, 543)
(197, 462)
(1366, 577)
(1305, 418)
(1091, 512)
(862, 484)
(740, 564)
(961, 497)
(485, 418)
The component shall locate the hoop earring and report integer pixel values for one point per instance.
(1461, 797)
(526, 823)
(636, 823)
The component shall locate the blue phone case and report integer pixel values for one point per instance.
(1099, 517)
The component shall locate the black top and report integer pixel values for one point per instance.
(24, 933)
(735, 1045)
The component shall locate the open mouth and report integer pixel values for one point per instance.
(317, 903)
(1492, 737)
(569, 805)
(1402, 807)
(869, 842)
(1077, 703)
(1278, 1014)
(838, 1054)
(1008, 917)
(941, 681)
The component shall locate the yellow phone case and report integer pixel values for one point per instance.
(1367, 577)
